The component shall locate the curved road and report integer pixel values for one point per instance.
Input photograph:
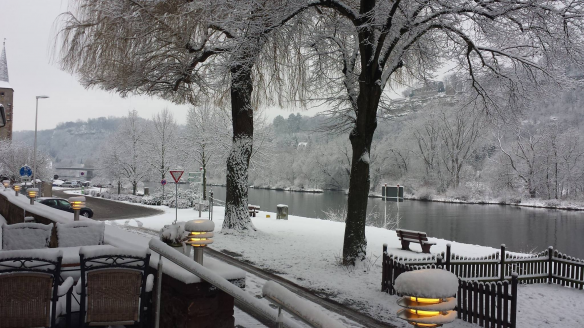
(104, 209)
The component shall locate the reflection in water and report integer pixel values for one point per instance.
(520, 229)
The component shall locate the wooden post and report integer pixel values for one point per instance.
(550, 262)
(448, 254)
(384, 269)
(502, 263)
(514, 282)
(438, 262)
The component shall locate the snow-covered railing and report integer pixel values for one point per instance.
(302, 309)
(221, 283)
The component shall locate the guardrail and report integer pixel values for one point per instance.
(250, 302)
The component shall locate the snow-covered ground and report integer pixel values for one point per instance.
(308, 252)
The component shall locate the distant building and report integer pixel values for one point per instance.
(6, 96)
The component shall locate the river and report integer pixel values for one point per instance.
(520, 229)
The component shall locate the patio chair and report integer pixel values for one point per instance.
(113, 286)
(29, 288)
(21, 236)
(80, 233)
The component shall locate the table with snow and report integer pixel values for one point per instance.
(186, 300)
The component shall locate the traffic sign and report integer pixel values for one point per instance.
(176, 175)
(196, 177)
(82, 173)
(163, 182)
(25, 171)
(393, 194)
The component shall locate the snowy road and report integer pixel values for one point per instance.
(104, 209)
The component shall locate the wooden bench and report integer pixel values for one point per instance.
(408, 236)
(253, 210)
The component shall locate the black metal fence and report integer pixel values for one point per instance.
(487, 291)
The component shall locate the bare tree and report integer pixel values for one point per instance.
(15, 155)
(180, 50)
(162, 143)
(131, 154)
(355, 49)
(207, 135)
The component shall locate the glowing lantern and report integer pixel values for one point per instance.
(6, 184)
(77, 203)
(428, 297)
(200, 235)
(16, 188)
(32, 194)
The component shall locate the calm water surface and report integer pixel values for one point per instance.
(520, 229)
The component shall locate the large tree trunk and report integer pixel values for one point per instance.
(236, 211)
(355, 243)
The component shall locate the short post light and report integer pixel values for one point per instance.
(16, 189)
(6, 184)
(32, 194)
(77, 203)
(200, 235)
(428, 297)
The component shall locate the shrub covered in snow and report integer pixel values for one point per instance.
(173, 234)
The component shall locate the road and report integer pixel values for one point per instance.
(104, 209)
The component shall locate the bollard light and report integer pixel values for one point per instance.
(427, 297)
(77, 203)
(6, 184)
(200, 235)
(16, 188)
(32, 194)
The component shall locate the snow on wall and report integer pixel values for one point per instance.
(26, 236)
(80, 233)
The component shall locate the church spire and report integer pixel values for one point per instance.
(4, 64)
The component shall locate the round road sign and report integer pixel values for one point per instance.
(163, 182)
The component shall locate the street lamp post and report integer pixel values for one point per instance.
(35, 138)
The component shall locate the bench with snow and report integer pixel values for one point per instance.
(253, 210)
(408, 236)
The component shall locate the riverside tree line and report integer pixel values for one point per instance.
(347, 54)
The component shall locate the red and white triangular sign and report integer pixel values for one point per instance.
(176, 175)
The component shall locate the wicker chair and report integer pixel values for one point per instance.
(113, 286)
(29, 288)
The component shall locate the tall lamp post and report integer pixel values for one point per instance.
(35, 138)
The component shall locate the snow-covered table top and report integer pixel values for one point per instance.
(121, 238)
(70, 254)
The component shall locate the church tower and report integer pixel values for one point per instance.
(6, 96)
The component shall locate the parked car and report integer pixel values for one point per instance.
(64, 205)
(70, 184)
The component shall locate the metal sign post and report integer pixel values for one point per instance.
(197, 178)
(392, 194)
(176, 174)
(163, 183)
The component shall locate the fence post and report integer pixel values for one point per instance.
(384, 269)
(502, 267)
(211, 206)
(448, 246)
(438, 261)
(550, 263)
(514, 281)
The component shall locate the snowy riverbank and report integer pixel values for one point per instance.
(308, 252)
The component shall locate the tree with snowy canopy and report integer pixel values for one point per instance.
(352, 50)
(182, 51)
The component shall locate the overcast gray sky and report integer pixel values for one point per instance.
(27, 26)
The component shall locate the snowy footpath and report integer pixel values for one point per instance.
(308, 252)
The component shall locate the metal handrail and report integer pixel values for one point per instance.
(297, 306)
(221, 283)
